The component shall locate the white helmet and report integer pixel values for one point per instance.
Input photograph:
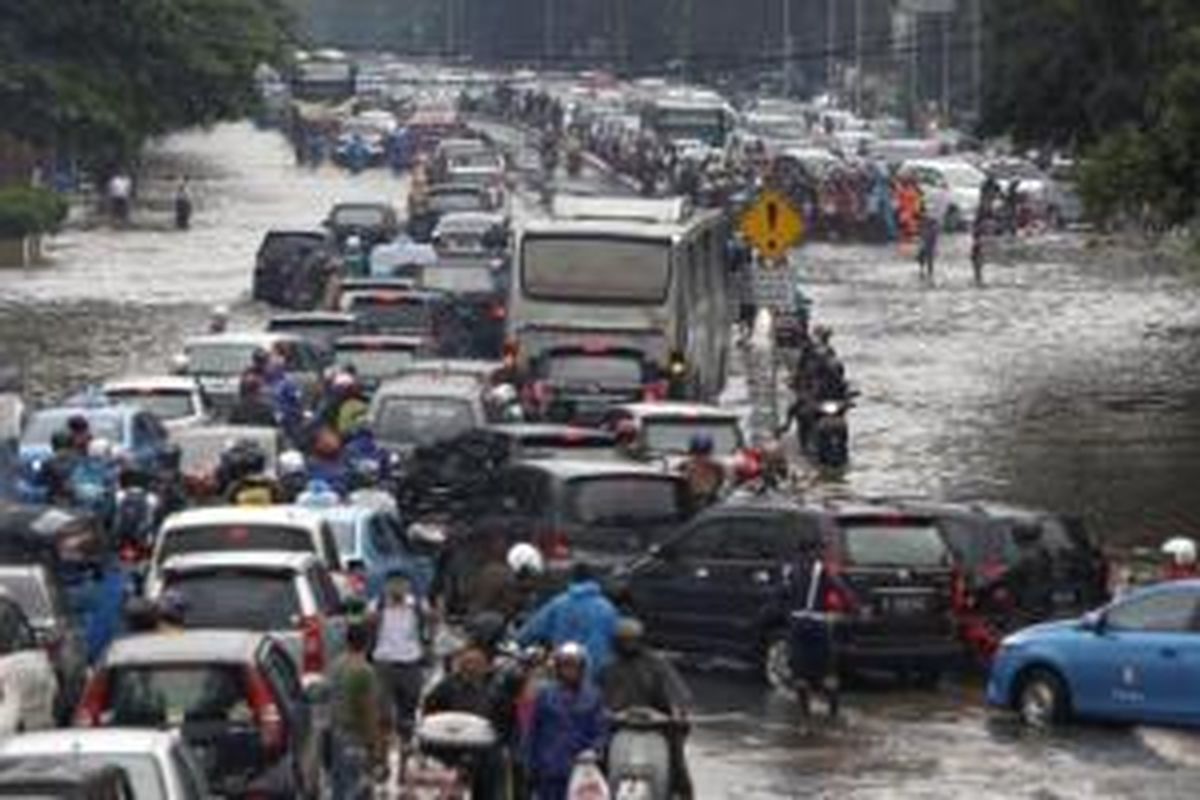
(100, 448)
(427, 533)
(291, 462)
(353, 242)
(503, 395)
(524, 557)
(1181, 549)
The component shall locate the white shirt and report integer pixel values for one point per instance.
(399, 637)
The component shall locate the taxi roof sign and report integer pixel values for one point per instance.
(772, 224)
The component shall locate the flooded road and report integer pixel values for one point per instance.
(1066, 382)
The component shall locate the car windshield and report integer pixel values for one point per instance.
(1048, 534)
(358, 217)
(623, 499)
(423, 420)
(443, 202)
(392, 313)
(604, 269)
(30, 594)
(43, 425)
(674, 435)
(143, 771)
(963, 175)
(224, 358)
(164, 404)
(251, 599)
(167, 696)
(227, 538)
(871, 544)
(375, 363)
(594, 369)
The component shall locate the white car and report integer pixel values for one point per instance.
(177, 401)
(240, 528)
(158, 764)
(952, 188)
(28, 686)
(292, 596)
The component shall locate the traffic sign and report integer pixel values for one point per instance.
(772, 225)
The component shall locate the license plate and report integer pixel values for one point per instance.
(907, 606)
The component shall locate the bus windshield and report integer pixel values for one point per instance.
(597, 270)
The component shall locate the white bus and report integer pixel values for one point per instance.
(622, 298)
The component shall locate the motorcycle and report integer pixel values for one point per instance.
(450, 747)
(587, 779)
(639, 755)
(135, 519)
(829, 438)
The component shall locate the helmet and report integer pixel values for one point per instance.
(101, 449)
(1181, 549)
(251, 386)
(179, 364)
(260, 358)
(503, 395)
(344, 382)
(626, 431)
(524, 558)
(78, 424)
(570, 653)
(701, 444)
(354, 242)
(247, 457)
(630, 629)
(367, 471)
(318, 494)
(172, 606)
(220, 312)
(291, 462)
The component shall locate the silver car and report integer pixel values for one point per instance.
(158, 764)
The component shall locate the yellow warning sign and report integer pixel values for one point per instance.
(772, 225)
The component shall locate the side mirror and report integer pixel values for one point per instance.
(1093, 621)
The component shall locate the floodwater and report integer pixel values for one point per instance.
(1066, 382)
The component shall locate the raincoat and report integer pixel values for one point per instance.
(565, 723)
(580, 614)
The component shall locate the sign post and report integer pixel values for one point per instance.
(772, 226)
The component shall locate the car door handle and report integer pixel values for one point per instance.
(701, 573)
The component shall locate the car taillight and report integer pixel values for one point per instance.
(747, 465)
(992, 570)
(655, 391)
(555, 546)
(94, 702)
(497, 312)
(130, 553)
(836, 600)
(266, 713)
(314, 644)
(510, 353)
(357, 580)
(960, 598)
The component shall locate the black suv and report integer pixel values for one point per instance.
(802, 588)
(1021, 566)
(293, 268)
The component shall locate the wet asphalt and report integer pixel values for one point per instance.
(1065, 382)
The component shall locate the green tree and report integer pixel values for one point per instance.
(99, 78)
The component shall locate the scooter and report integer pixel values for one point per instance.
(450, 746)
(829, 440)
(639, 755)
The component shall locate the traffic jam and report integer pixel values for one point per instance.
(491, 479)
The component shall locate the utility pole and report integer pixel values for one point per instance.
(946, 68)
(914, 66)
(977, 58)
(788, 47)
(830, 43)
(858, 57)
(547, 33)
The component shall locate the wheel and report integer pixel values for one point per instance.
(1042, 699)
(777, 663)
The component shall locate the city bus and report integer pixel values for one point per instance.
(622, 299)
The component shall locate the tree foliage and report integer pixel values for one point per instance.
(25, 211)
(97, 78)
(1119, 81)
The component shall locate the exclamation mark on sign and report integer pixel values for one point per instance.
(772, 224)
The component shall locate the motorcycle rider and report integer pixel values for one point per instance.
(704, 475)
(581, 613)
(293, 475)
(468, 689)
(1181, 562)
(325, 461)
(355, 257)
(252, 486)
(568, 719)
(252, 407)
(640, 678)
